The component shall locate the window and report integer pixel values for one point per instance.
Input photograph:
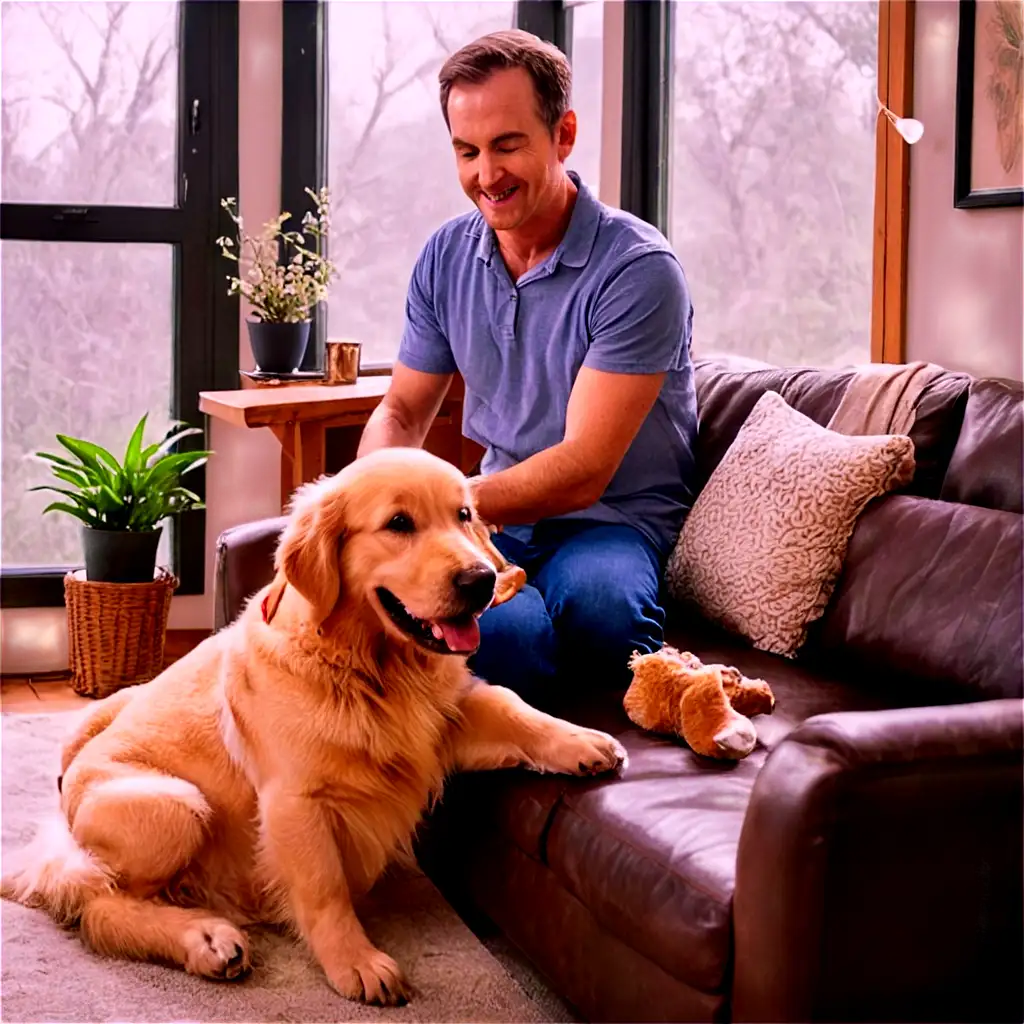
(390, 166)
(114, 303)
(587, 19)
(772, 176)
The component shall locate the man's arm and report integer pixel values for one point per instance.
(605, 412)
(640, 331)
(407, 410)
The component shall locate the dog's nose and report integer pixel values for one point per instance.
(475, 586)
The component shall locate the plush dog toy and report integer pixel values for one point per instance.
(673, 692)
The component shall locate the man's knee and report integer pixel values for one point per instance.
(603, 625)
(517, 646)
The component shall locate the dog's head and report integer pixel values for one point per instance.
(395, 533)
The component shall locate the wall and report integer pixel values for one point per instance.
(244, 476)
(965, 268)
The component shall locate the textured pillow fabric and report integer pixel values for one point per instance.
(763, 545)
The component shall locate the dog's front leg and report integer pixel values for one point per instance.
(498, 729)
(303, 857)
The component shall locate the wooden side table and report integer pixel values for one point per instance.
(301, 414)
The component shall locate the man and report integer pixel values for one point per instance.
(569, 322)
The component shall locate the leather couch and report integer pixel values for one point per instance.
(865, 861)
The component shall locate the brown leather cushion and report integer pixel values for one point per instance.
(514, 804)
(727, 390)
(245, 564)
(653, 854)
(987, 466)
(931, 591)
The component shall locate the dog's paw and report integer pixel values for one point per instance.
(372, 977)
(737, 739)
(216, 949)
(585, 752)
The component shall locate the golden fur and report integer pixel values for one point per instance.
(271, 774)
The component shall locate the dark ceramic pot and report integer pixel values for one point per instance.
(278, 348)
(120, 556)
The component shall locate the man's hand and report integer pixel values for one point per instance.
(605, 412)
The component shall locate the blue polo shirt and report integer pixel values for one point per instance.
(613, 297)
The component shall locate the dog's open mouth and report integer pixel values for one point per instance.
(460, 635)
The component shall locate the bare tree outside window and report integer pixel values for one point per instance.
(772, 188)
(391, 169)
(89, 108)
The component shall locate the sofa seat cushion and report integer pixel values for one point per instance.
(652, 854)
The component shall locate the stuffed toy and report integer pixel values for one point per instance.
(673, 692)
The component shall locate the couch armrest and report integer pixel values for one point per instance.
(879, 869)
(245, 563)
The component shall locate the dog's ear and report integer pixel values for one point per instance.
(309, 553)
(511, 578)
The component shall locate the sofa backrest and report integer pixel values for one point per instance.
(931, 588)
(987, 465)
(728, 387)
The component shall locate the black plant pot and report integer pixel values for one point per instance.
(120, 556)
(278, 348)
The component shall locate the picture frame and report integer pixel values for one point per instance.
(988, 159)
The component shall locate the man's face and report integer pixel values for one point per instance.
(509, 163)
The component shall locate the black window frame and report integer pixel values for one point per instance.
(647, 110)
(205, 317)
(646, 95)
(304, 140)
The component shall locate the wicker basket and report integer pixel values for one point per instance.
(116, 631)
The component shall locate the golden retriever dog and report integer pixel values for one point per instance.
(272, 774)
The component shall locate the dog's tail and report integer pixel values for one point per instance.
(55, 874)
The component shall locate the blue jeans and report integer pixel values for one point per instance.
(593, 597)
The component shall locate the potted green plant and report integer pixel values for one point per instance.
(122, 504)
(282, 275)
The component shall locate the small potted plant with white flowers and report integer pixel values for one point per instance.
(282, 275)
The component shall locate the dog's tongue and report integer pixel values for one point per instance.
(461, 634)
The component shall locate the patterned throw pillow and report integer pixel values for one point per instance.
(764, 543)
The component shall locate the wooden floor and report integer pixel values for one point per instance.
(42, 694)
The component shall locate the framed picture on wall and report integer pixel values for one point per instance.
(989, 148)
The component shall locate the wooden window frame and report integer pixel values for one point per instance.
(892, 183)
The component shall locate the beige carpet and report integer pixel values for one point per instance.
(49, 976)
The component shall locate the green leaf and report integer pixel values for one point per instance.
(116, 498)
(75, 495)
(91, 454)
(132, 461)
(172, 466)
(70, 476)
(59, 460)
(71, 472)
(71, 510)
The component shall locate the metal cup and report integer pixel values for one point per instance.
(341, 362)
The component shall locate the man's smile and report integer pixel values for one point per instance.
(498, 198)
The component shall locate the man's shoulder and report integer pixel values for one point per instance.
(623, 237)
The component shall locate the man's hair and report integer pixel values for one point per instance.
(513, 48)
